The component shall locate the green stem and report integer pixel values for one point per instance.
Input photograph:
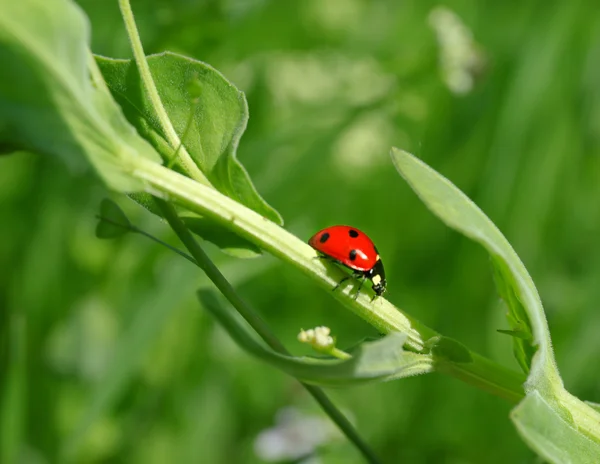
(340, 354)
(381, 314)
(135, 230)
(184, 158)
(257, 323)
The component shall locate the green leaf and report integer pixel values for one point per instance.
(516, 333)
(112, 220)
(219, 116)
(557, 425)
(47, 101)
(381, 360)
(514, 283)
(448, 349)
(523, 348)
(552, 434)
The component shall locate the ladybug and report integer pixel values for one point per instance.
(353, 249)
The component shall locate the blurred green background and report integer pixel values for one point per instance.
(105, 353)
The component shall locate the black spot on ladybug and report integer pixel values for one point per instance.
(352, 255)
(353, 233)
(324, 237)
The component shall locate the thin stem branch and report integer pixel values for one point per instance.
(257, 323)
(340, 354)
(135, 230)
(184, 158)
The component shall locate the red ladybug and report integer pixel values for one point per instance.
(352, 248)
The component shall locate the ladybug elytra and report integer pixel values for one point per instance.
(353, 249)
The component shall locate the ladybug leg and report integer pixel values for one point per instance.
(329, 259)
(340, 283)
(362, 279)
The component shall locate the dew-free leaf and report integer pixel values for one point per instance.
(218, 111)
(47, 101)
(557, 425)
(455, 209)
(554, 436)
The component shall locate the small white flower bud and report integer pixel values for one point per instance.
(318, 337)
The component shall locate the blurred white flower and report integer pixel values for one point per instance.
(315, 79)
(294, 436)
(335, 16)
(364, 145)
(460, 56)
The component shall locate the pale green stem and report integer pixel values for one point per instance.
(133, 229)
(184, 158)
(336, 352)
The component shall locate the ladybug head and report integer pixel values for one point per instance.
(379, 286)
(377, 276)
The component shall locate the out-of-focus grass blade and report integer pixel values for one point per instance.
(153, 313)
(12, 414)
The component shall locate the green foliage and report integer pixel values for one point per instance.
(447, 349)
(379, 360)
(523, 344)
(459, 212)
(191, 90)
(12, 402)
(103, 352)
(555, 437)
(558, 426)
(47, 102)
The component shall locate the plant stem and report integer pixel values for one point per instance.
(135, 230)
(257, 323)
(184, 158)
(381, 314)
(340, 354)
